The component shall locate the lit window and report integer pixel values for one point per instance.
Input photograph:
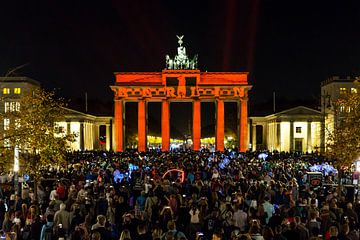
(17, 123)
(17, 90)
(342, 90)
(298, 129)
(353, 90)
(6, 123)
(12, 106)
(59, 129)
(342, 108)
(6, 90)
(17, 106)
(7, 106)
(6, 142)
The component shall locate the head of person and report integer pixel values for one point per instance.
(62, 206)
(95, 236)
(334, 231)
(101, 219)
(171, 225)
(141, 229)
(125, 235)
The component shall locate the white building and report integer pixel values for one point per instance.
(296, 129)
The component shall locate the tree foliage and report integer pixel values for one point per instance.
(33, 128)
(343, 142)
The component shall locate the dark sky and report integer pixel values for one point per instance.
(287, 46)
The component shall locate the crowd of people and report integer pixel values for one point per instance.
(205, 195)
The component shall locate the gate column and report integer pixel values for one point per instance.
(141, 126)
(196, 125)
(119, 125)
(165, 126)
(243, 128)
(219, 139)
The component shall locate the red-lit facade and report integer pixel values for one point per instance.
(181, 86)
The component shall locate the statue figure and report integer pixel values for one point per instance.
(167, 61)
(181, 60)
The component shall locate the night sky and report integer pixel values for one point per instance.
(287, 46)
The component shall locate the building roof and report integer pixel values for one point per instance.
(334, 79)
(19, 79)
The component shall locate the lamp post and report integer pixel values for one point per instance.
(16, 169)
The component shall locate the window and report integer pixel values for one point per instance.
(298, 129)
(17, 123)
(17, 90)
(342, 90)
(12, 106)
(6, 142)
(6, 90)
(172, 81)
(342, 108)
(353, 90)
(6, 123)
(59, 129)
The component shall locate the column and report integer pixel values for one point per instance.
(291, 136)
(243, 125)
(219, 138)
(253, 137)
(81, 136)
(309, 143)
(107, 134)
(96, 137)
(141, 126)
(68, 127)
(278, 135)
(119, 126)
(196, 125)
(165, 126)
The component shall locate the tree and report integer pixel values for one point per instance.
(30, 124)
(344, 141)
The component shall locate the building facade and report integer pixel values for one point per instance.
(331, 90)
(294, 130)
(92, 132)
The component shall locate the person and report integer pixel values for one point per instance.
(100, 227)
(177, 235)
(47, 232)
(255, 231)
(268, 209)
(240, 218)
(143, 234)
(62, 218)
(194, 220)
(35, 228)
(125, 235)
(302, 230)
(333, 233)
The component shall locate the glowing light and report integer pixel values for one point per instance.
(182, 174)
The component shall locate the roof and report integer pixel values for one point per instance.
(19, 79)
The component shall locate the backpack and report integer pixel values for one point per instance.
(49, 233)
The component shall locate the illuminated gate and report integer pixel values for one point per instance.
(181, 81)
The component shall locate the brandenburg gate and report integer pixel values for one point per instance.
(181, 81)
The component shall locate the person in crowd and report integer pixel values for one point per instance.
(62, 218)
(172, 232)
(47, 231)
